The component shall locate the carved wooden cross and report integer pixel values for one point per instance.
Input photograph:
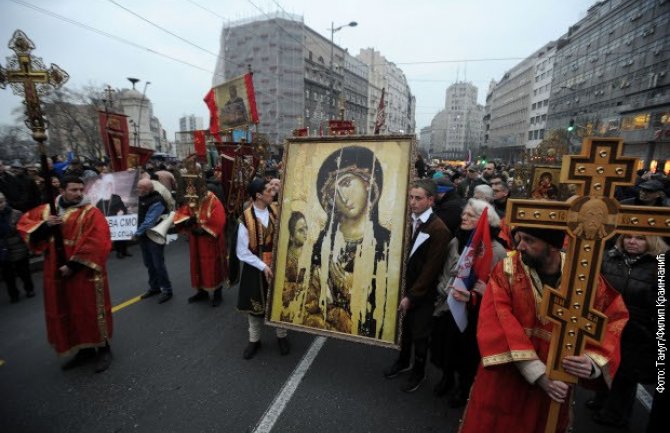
(589, 219)
(29, 77)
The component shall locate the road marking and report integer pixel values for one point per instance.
(127, 303)
(281, 400)
(644, 397)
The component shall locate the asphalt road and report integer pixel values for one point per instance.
(178, 368)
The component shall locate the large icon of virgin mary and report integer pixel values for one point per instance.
(352, 248)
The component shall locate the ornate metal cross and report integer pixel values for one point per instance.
(589, 218)
(28, 77)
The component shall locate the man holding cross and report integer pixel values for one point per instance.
(512, 391)
(76, 293)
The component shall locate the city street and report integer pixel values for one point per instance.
(178, 368)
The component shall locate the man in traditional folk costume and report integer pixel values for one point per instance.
(254, 249)
(76, 293)
(207, 244)
(511, 392)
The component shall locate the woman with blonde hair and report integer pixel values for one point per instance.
(631, 267)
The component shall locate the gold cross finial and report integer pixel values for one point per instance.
(29, 77)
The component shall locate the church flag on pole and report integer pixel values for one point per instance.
(115, 136)
(199, 143)
(232, 104)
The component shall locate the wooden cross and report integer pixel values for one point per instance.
(29, 77)
(589, 218)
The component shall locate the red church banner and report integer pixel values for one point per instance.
(199, 142)
(114, 132)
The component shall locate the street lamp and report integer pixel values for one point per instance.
(334, 29)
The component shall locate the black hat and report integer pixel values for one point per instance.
(256, 186)
(555, 238)
(652, 185)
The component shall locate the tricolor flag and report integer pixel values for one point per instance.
(381, 114)
(473, 264)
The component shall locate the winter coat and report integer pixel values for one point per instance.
(449, 209)
(12, 247)
(637, 281)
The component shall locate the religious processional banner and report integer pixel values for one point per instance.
(339, 251)
(114, 131)
(115, 195)
(232, 104)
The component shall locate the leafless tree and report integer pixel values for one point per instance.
(16, 143)
(73, 121)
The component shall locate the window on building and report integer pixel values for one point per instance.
(660, 119)
(541, 134)
(530, 135)
(641, 121)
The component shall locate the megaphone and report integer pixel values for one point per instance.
(158, 233)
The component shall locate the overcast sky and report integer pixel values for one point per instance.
(441, 33)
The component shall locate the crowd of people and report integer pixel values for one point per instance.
(496, 365)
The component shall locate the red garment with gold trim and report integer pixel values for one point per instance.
(78, 308)
(208, 251)
(509, 330)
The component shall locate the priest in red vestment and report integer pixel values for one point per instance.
(76, 292)
(205, 224)
(511, 392)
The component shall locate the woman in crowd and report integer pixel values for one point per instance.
(13, 253)
(631, 267)
(453, 351)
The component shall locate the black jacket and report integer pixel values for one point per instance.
(27, 193)
(146, 202)
(449, 209)
(635, 201)
(638, 285)
(112, 207)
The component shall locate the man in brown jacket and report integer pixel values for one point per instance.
(424, 264)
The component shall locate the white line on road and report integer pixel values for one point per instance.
(644, 397)
(281, 400)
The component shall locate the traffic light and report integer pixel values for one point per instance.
(571, 126)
